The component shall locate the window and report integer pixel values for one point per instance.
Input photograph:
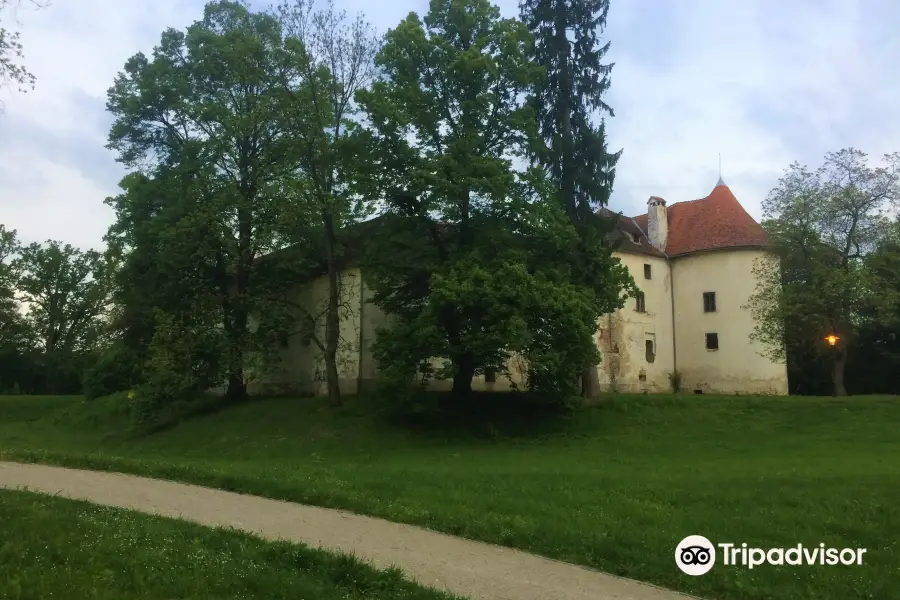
(709, 302)
(651, 356)
(712, 341)
(635, 238)
(646, 271)
(639, 304)
(490, 375)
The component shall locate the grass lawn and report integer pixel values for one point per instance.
(616, 487)
(57, 548)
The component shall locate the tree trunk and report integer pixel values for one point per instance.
(463, 372)
(332, 315)
(237, 387)
(590, 383)
(837, 372)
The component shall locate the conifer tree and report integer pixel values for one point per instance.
(570, 108)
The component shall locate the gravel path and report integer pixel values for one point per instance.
(467, 568)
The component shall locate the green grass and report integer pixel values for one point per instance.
(57, 548)
(615, 487)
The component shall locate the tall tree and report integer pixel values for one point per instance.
(205, 104)
(822, 225)
(330, 59)
(66, 291)
(468, 252)
(66, 294)
(575, 155)
(11, 323)
(875, 356)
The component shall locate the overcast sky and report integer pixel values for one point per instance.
(764, 82)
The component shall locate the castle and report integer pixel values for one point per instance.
(693, 262)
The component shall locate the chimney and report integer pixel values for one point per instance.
(657, 223)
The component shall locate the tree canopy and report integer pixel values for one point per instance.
(824, 226)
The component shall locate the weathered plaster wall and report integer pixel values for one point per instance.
(301, 368)
(736, 367)
(623, 335)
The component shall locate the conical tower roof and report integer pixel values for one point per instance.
(715, 222)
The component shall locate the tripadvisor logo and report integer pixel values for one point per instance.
(696, 555)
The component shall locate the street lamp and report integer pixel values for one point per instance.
(832, 339)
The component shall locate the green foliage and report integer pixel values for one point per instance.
(204, 112)
(115, 368)
(53, 303)
(185, 359)
(328, 60)
(67, 293)
(468, 260)
(823, 225)
(13, 329)
(575, 156)
(573, 150)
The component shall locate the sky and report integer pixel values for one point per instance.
(762, 83)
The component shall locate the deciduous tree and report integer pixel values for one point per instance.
(66, 291)
(823, 224)
(468, 262)
(206, 106)
(330, 58)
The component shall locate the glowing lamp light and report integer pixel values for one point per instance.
(832, 339)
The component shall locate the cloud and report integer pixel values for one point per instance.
(763, 83)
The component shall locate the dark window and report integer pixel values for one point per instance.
(639, 304)
(650, 354)
(490, 375)
(646, 271)
(709, 302)
(698, 391)
(712, 341)
(635, 238)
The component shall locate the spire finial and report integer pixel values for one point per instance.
(721, 181)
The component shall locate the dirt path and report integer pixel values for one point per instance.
(467, 568)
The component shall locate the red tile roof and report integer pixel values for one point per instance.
(717, 221)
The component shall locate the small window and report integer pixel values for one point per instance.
(712, 341)
(698, 392)
(490, 376)
(635, 238)
(639, 303)
(647, 272)
(651, 356)
(709, 302)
